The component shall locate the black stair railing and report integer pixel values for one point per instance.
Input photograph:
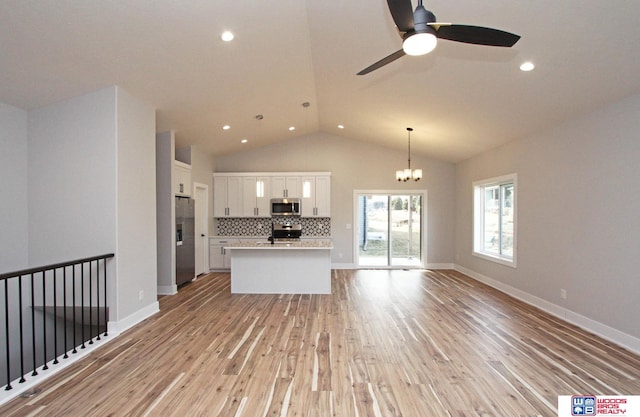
(51, 311)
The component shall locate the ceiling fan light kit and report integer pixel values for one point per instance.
(422, 39)
(418, 44)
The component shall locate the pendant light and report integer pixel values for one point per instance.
(407, 174)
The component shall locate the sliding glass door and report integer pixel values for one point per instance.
(389, 229)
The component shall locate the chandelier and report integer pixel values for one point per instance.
(408, 174)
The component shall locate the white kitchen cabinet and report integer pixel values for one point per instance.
(227, 196)
(323, 196)
(256, 193)
(219, 257)
(286, 187)
(181, 179)
(316, 196)
(246, 194)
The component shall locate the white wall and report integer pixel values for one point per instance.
(359, 166)
(72, 188)
(13, 189)
(136, 205)
(578, 223)
(165, 210)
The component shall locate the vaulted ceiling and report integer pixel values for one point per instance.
(460, 100)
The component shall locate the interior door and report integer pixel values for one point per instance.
(201, 228)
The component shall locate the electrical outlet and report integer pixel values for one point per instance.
(563, 293)
(140, 295)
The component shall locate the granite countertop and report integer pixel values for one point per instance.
(266, 237)
(302, 244)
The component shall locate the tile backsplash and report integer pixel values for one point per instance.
(311, 226)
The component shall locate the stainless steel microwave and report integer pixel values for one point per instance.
(285, 207)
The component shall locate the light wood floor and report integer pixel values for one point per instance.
(385, 343)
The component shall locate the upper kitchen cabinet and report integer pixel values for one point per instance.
(181, 179)
(256, 196)
(286, 186)
(227, 196)
(249, 194)
(316, 196)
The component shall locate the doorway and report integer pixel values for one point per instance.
(390, 229)
(201, 196)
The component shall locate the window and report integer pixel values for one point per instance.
(494, 230)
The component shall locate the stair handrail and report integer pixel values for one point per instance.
(37, 269)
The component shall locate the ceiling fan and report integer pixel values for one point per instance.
(420, 31)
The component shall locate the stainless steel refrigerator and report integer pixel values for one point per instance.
(185, 240)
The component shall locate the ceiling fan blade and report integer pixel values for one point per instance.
(402, 13)
(384, 61)
(475, 34)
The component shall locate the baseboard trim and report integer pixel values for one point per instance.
(167, 289)
(427, 266)
(343, 266)
(611, 334)
(438, 266)
(117, 327)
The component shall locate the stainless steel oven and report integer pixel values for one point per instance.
(286, 232)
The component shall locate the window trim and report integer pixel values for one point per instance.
(478, 218)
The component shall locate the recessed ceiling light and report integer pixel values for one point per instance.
(527, 66)
(340, 127)
(244, 141)
(227, 36)
(291, 128)
(226, 127)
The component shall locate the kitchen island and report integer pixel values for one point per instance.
(302, 267)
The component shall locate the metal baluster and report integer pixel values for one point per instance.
(55, 320)
(6, 322)
(33, 326)
(98, 297)
(64, 312)
(73, 308)
(90, 304)
(106, 318)
(21, 330)
(82, 303)
(44, 321)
